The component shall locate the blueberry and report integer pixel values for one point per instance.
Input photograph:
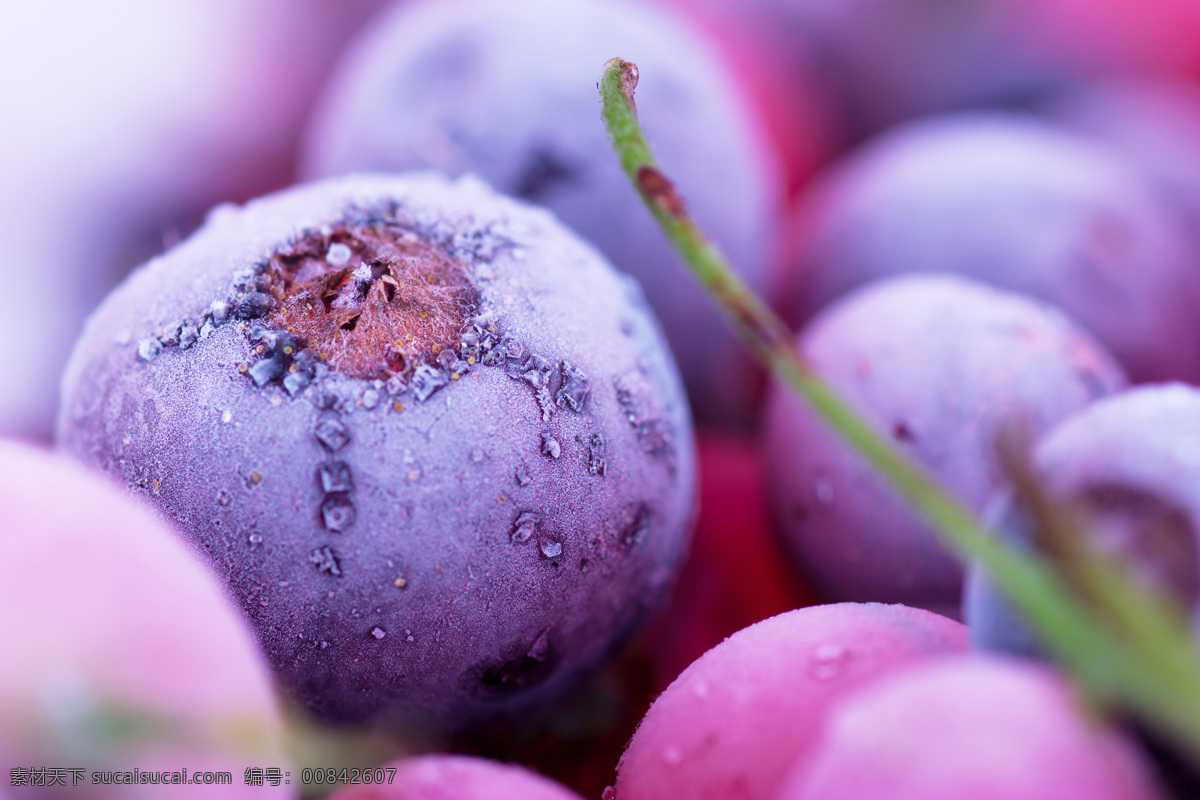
(966, 726)
(1132, 463)
(508, 91)
(396, 577)
(456, 777)
(934, 361)
(1020, 204)
(120, 648)
(887, 61)
(740, 714)
(1155, 123)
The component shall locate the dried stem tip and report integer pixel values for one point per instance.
(371, 300)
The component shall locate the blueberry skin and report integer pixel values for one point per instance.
(887, 61)
(1155, 123)
(1023, 205)
(964, 726)
(934, 361)
(508, 91)
(1133, 462)
(475, 574)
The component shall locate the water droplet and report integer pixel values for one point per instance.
(635, 524)
(335, 477)
(540, 647)
(337, 512)
(477, 454)
(823, 491)
(378, 632)
(337, 255)
(223, 498)
(219, 311)
(255, 540)
(550, 446)
(395, 385)
(522, 475)
(332, 433)
(551, 548)
(188, 336)
(597, 461)
(325, 560)
(523, 528)
(654, 436)
(827, 661)
(148, 349)
(266, 370)
(426, 380)
(672, 756)
(573, 392)
(252, 305)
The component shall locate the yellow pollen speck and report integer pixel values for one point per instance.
(454, 376)
(439, 568)
(287, 351)
(413, 474)
(500, 498)
(243, 368)
(437, 348)
(293, 368)
(259, 349)
(255, 477)
(400, 583)
(470, 361)
(157, 485)
(397, 407)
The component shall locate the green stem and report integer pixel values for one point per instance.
(1160, 683)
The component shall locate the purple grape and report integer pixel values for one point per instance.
(1020, 204)
(432, 441)
(508, 91)
(935, 361)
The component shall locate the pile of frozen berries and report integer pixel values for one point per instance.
(421, 467)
